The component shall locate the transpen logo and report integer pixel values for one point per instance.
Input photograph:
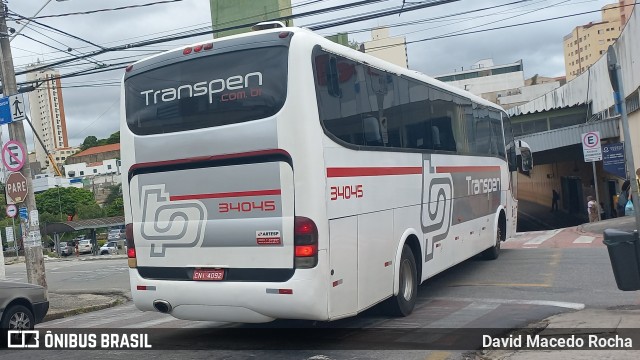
(167, 223)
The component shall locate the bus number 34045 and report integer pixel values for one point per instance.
(346, 192)
(247, 206)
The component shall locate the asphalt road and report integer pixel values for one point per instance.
(523, 286)
(73, 275)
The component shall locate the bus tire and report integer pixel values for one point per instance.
(403, 303)
(493, 252)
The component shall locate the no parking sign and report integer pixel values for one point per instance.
(591, 147)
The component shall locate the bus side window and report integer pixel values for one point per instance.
(333, 78)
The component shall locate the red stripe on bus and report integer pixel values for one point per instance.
(372, 171)
(459, 169)
(208, 158)
(226, 195)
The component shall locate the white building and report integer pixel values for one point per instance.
(47, 115)
(391, 49)
(44, 182)
(105, 167)
(486, 79)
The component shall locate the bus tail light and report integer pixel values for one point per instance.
(197, 48)
(306, 243)
(131, 246)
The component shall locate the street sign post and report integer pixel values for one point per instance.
(592, 151)
(16, 187)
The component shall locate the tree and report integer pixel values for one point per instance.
(116, 208)
(89, 211)
(89, 142)
(114, 138)
(63, 200)
(114, 204)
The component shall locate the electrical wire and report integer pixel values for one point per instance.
(104, 10)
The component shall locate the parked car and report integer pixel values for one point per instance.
(65, 249)
(84, 246)
(109, 248)
(115, 234)
(22, 305)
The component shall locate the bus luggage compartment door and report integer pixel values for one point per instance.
(236, 216)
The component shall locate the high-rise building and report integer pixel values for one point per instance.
(626, 7)
(47, 117)
(229, 13)
(587, 43)
(385, 47)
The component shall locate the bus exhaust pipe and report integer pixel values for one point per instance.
(162, 306)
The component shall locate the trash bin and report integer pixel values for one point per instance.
(624, 252)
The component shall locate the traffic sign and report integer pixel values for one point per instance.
(9, 231)
(24, 214)
(16, 104)
(16, 188)
(14, 155)
(12, 210)
(12, 109)
(591, 147)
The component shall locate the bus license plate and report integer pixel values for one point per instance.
(208, 274)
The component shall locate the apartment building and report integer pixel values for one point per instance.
(48, 117)
(383, 46)
(234, 13)
(587, 43)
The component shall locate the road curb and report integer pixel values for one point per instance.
(63, 314)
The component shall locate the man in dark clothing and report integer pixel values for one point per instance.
(554, 201)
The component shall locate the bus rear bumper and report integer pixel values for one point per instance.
(246, 302)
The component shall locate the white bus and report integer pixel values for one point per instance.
(277, 174)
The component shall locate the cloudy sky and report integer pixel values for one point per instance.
(438, 38)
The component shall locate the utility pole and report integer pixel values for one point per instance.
(32, 240)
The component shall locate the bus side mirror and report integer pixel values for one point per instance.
(527, 159)
(371, 128)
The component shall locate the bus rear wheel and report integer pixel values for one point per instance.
(403, 303)
(493, 252)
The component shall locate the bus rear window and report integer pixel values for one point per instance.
(209, 91)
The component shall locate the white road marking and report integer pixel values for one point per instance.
(150, 323)
(584, 239)
(542, 238)
(562, 304)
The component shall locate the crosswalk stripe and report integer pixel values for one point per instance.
(465, 315)
(542, 238)
(583, 239)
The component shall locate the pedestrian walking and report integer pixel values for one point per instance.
(592, 209)
(623, 198)
(554, 200)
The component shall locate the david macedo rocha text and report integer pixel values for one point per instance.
(550, 342)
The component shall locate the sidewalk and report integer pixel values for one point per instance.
(603, 323)
(13, 260)
(582, 322)
(71, 303)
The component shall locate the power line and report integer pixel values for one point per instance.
(57, 30)
(180, 37)
(103, 10)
